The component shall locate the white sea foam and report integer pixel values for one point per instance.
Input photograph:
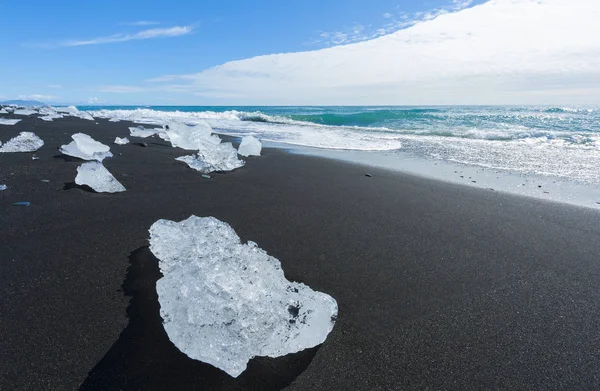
(224, 302)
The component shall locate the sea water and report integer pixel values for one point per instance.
(542, 151)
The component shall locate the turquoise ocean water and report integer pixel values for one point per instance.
(562, 142)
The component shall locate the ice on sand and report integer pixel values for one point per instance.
(5, 121)
(25, 112)
(190, 138)
(224, 302)
(142, 132)
(86, 148)
(250, 146)
(220, 157)
(3, 187)
(24, 142)
(121, 141)
(96, 176)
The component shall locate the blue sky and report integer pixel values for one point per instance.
(140, 52)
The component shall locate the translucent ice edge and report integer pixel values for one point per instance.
(224, 302)
(4, 121)
(96, 176)
(24, 142)
(250, 146)
(86, 148)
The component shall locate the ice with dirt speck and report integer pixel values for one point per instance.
(86, 148)
(96, 176)
(250, 146)
(121, 141)
(24, 142)
(224, 302)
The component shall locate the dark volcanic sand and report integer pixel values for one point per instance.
(439, 286)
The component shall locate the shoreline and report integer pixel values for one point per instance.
(439, 285)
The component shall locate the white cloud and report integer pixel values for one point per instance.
(121, 89)
(54, 86)
(387, 15)
(141, 23)
(502, 51)
(94, 100)
(43, 98)
(146, 34)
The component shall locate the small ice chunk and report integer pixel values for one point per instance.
(24, 142)
(3, 187)
(250, 146)
(5, 121)
(121, 141)
(86, 148)
(3, 111)
(35, 158)
(221, 157)
(25, 112)
(224, 302)
(96, 176)
(140, 131)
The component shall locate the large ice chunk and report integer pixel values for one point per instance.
(24, 142)
(25, 112)
(140, 131)
(250, 146)
(86, 148)
(96, 176)
(121, 141)
(224, 302)
(190, 138)
(5, 121)
(220, 157)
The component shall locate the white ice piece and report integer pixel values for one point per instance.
(25, 112)
(3, 111)
(250, 146)
(224, 302)
(121, 141)
(96, 176)
(73, 111)
(5, 121)
(220, 157)
(24, 142)
(86, 148)
(140, 131)
(191, 138)
(3, 187)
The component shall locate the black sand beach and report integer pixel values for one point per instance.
(439, 286)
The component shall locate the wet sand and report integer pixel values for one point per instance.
(439, 286)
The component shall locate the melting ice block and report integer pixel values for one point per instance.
(191, 137)
(224, 302)
(220, 157)
(5, 121)
(142, 132)
(86, 148)
(121, 141)
(250, 146)
(96, 176)
(25, 112)
(24, 142)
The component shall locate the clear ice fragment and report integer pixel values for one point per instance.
(96, 176)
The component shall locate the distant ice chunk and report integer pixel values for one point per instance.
(224, 302)
(3, 111)
(250, 146)
(121, 141)
(25, 112)
(96, 176)
(221, 157)
(3, 187)
(24, 142)
(140, 131)
(73, 111)
(5, 121)
(86, 148)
